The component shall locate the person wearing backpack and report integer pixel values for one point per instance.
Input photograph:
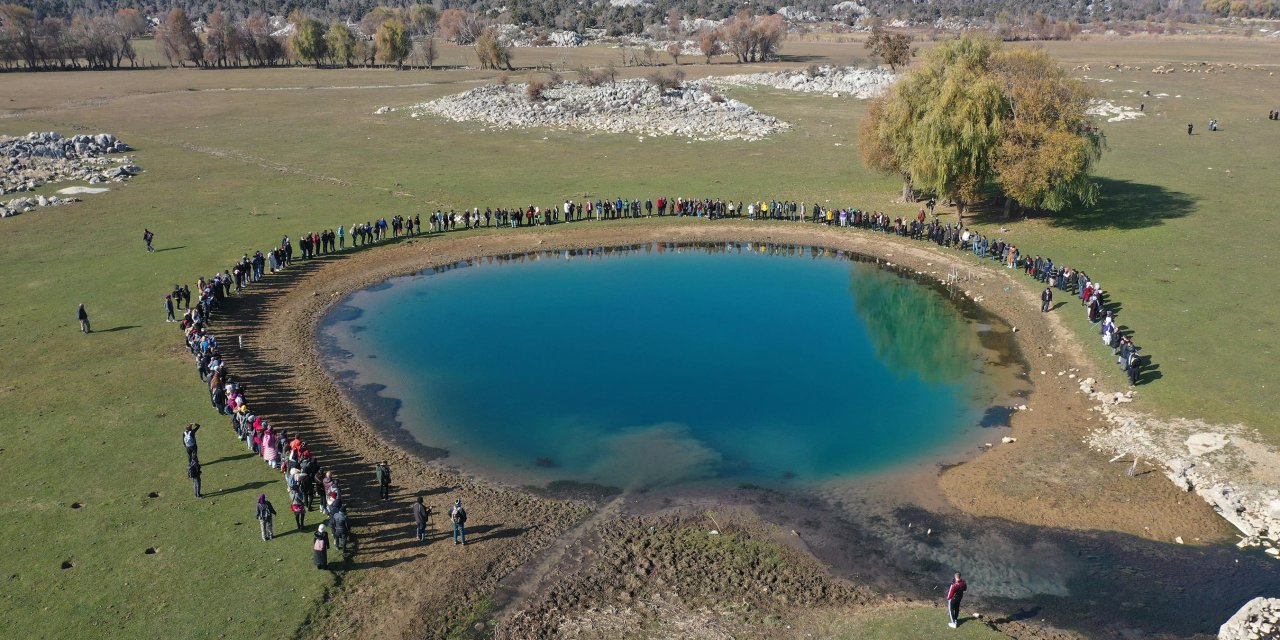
(266, 515)
(189, 440)
(459, 517)
(193, 472)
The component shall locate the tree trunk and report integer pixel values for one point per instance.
(908, 194)
(1008, 207)
(960, 212)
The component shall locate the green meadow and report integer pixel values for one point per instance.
(90, 426)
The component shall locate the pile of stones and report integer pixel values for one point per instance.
(695, 110)
(1258, 619)
(853, 82)
(39, 158)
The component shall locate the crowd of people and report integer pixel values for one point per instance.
(307, 482)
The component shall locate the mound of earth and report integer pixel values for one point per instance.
(674, 576)
(627, 106)
(40, 158)
(845, 81)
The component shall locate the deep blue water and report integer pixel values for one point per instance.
(661, 364)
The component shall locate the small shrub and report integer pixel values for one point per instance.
(811, 71)
(533, 90)
(503, 79)
(554, 80)
(717, 98)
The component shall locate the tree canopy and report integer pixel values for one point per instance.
(974, 116)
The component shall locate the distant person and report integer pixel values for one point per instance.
(458, 516)
(955, 593)
(321, 548)
(266, 517)
(168, 308)
(1134, 366)
(1190, 127)
(189, 440)
(382, 471)
(298, 508)
(147, 237)
(421, 518)
(1046, 298)
(83, 316)
(1142, 107)
(193, 472)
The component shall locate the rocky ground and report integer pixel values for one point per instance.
(41, 158)
(1256, 620)
(837, 81)
(694, 110)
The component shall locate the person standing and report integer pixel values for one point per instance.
(1190, 126)
(189, 440)
(421, 516)
(321, 548)
(266, 517)
(459, 517)
(382, 471)
(193, 472)
(340, 528)
(955, 593)
(83, 316)
(1134, 366)
(1046, 298)
(168, 308)
(147, 237)
(298, 508)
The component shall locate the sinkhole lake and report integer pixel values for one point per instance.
(658, 364)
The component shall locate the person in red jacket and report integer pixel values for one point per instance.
(954, 595)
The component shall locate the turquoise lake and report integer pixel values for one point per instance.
(660, 364)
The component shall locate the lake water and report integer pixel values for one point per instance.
(660, 364)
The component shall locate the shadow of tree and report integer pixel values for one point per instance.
(1122, 204)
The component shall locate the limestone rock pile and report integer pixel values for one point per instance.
(846, 81)
(40, 158)
(1258, 619)
(627, 106)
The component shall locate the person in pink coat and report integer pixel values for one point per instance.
(269, 451)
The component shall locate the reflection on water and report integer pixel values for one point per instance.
(914, 334)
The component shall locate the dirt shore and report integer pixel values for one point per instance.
(393, 586)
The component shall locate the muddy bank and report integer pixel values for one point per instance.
(393, 586)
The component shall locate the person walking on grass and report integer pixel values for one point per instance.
(189, 440)
(1046, 298)
(458, 516)
(266, 517)
(955, 593)
(382, 471)
(147, 237)
(83, 316)
(421, 517)
(193, 472)
(321, 548)
(168, 308)
(298, 508)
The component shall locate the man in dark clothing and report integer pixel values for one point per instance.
(1135, 366)
(338, 521)
(147, 237)
(1046, 298)
(83, 316)
(421, 516)
(459, 517)
(382, 471)
(954, 595)
(1189, 128)
(193, 472)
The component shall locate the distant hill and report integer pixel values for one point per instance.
(635, 15)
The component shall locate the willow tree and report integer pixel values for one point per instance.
(972, 116)
(1050, 144)
(341, 43)
(393, 42)
(308, 39)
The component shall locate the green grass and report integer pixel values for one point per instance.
(96, 419)
(907, 623)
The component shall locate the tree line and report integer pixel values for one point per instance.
(976, 119)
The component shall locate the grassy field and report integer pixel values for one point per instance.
(234, 159)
